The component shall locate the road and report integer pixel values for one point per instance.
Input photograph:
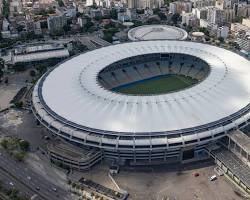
(31, 179)
(7, 179)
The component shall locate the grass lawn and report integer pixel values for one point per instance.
(156, 85)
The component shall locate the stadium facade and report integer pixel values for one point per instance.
(76, 101)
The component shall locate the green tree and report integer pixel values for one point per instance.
(204, 30)
(162, 16)
(19, 156)
(24, 145)
(5, 143)
(167, 2)
(6, 8)
(19, 104)
(221, 39)
(175, 18)
(2, 64)
(32, 73)
(60, 3)
(113, 13)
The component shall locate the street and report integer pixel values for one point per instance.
(32, 181)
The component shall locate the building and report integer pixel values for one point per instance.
(56, 23)
(15, 7)
(243, 40)
(200, 13)
(212, 28)
(1, 7)
(82, 21)
(122, 16)
(222, 32)
(180, 6)
(237, 28)
(143, 4)
(198, 36)
(131, 13)
(157, 32)
(216, 16)
(95, 13)
(203, 3)
(229, 15)
(204, 23)
(246, 22)
(73, 157)
(80, 104)
(36, 52)
(241, 9)
(190, 19)
(132, 4)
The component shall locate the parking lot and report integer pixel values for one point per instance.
(172, 183)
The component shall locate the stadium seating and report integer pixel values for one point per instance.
(142, 68)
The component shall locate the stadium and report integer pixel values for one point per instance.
(146, 102)
(157, 32)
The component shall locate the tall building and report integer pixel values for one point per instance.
(222, 32)
(132, 4)
(180, 6)
(1, 7)
(229, 15)
(203, 3)
(56, 23)
(144, 4)
(241, 9)
(215, 16)
(189, 19)
(200, 13)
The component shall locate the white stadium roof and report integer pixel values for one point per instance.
(72, 91)
(157, 32)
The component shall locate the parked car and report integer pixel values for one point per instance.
(213, 178)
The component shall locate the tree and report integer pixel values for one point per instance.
(221, 39)
(167, 2)
(189, 28)
(204, 30)
(175, 18)
(20, 28)
(6, 8)
(19, 156)
(113, 13)
(156, 11)
(1, 67)
(5, 143)
(32, 73)
(24, 145)
(19, 104)
(162, 16)
(60, 3)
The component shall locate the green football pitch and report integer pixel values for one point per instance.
(157, 85)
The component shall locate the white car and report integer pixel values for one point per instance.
(213, 178)
(12, 184)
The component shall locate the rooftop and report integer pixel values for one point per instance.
(157, 32)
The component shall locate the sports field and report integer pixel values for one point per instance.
(156, 85)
